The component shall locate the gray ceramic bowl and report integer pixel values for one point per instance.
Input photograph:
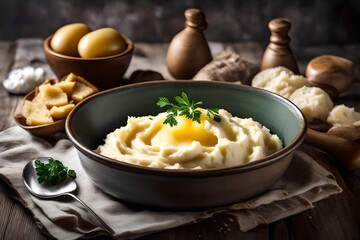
(91, 120)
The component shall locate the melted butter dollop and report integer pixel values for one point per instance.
(184, 133)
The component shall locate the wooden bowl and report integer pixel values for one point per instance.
(39, 130)
(104, 72)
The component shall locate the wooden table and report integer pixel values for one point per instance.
(337, 217)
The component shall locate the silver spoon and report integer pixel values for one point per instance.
(48, 191)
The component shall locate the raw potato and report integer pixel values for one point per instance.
(55, 101)
(102, 42)
(228, 66)
(36, 113)
(66, 39)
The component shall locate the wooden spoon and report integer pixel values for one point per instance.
(332, 73)
(349, 132)
(346, 152)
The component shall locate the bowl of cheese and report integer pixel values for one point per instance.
(43, 111)
(185, 144)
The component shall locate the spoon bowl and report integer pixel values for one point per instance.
(46, 190)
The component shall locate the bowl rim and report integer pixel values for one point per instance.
(188, 172)
(47, 49)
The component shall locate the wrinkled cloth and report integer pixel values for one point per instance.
(304, 183)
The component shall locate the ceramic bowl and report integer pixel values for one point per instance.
(91, 120)
(104, 72)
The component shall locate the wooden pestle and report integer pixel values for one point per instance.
(346, 152)
(349, 132)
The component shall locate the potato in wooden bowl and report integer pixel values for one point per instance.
(44, 110)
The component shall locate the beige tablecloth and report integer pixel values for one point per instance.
(304, 183)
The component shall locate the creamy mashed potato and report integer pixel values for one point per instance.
(146, 141)
(343, 115)
(279, 80)
(314, 102)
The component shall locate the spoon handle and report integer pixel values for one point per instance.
(92, 212)
(345, 151)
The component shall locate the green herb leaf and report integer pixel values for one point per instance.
(214, 113)
(171, 120)
(163, 101)
(186, 108)
(53, 172)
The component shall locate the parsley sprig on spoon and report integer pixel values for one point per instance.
(186, 108)
(53, 172)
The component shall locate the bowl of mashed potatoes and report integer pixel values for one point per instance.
(142, 144)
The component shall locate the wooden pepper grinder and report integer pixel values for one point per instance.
(189, 51)
(278, 52)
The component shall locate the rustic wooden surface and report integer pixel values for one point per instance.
(337, 217)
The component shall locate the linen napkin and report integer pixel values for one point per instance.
(304, 183)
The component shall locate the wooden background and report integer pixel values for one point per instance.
(314, 22)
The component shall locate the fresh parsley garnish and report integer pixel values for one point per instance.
(53, 172)
(187, 108)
